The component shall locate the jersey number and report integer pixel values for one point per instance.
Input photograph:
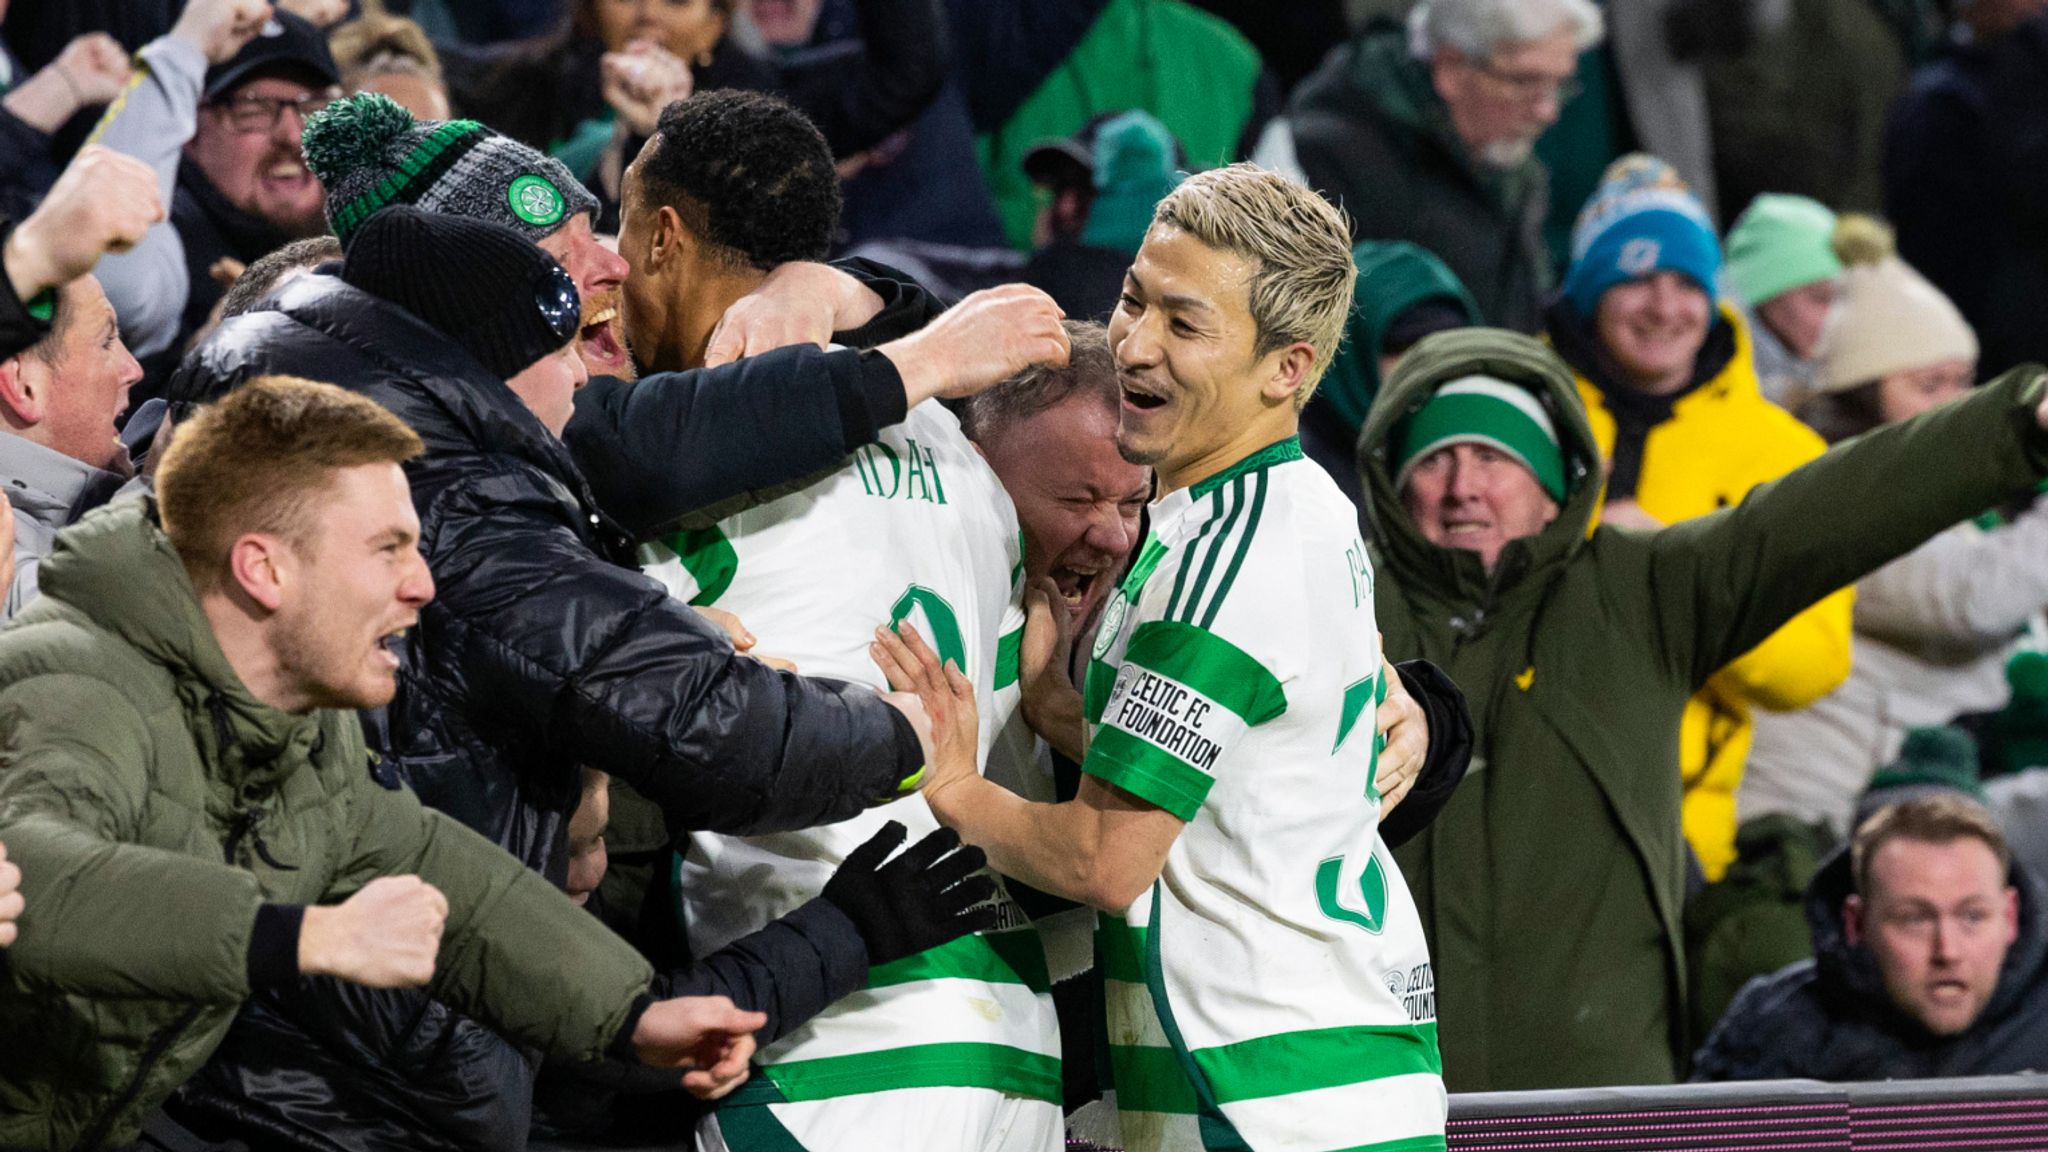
(942, 624)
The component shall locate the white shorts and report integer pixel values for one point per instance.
(903, 1120)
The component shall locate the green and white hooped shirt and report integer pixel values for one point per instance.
(1272, 989)
(915, 526)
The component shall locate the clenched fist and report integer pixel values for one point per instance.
(96, 66)
(11, 905)
(219, 28)
(102, 203)
(641, 80)
(385, 936)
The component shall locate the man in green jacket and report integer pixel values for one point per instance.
(1551, 885)
(1426, 134)
(194, 813)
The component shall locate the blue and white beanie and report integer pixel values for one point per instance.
(1641, 219)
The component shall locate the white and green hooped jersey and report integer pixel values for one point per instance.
(915, 526)
(1272, 989)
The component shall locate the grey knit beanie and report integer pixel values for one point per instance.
(370, 153)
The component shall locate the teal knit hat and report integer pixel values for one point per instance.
(1932, 760)
(1780, 243)
(1642, 219)
(1483, 410)
(1134, 157)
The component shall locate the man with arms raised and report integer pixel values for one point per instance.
(188, 795)
(1267, 981)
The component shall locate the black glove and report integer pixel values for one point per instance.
(919, 900)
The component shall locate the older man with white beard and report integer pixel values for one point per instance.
(1428, 135)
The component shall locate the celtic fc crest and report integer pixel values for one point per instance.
(535, 201)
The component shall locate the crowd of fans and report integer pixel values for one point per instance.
(451, 451)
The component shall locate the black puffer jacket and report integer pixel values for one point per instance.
(1828, 1018)
(543, 650)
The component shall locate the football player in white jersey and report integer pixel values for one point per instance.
(1267, 982)
(954, 1046)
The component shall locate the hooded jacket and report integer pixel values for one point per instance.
(1371, 134)
(1829, 1018)
(1550, 886)
(1684, 456)
(543, 650)
(155, 806)
(1393, 277)
(48, 491)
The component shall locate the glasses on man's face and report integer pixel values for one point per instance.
(1530, 87)
(249, 112)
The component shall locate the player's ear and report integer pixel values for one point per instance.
(1290, 371)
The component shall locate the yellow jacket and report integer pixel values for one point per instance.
(1721, 440)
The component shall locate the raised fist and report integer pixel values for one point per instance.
(102, 203)
(641, 80)
(219, 28)
(96, 66)
(385, 936)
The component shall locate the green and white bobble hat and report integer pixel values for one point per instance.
(369, 153)
(1483, 410)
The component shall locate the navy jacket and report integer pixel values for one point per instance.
(1828, 1018)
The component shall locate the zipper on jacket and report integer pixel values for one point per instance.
(158, 1045)
(162, 1041)
(223, 732)
(244, 825)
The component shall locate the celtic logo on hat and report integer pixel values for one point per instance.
(535, 201)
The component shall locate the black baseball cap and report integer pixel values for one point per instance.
(287, 45)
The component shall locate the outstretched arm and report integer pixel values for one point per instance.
(1723, 582)
(596, 664)
(658, 450)
(147, 284)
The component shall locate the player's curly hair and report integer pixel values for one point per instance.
(748, 174)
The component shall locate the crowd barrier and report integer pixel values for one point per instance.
(1982, 1114)
(1987, 1114)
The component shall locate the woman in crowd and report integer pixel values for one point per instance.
(1670, 384)
(591, 92)
(1934, 627)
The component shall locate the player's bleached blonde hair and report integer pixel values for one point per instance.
(1302, 275)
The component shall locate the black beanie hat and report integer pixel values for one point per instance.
(482, 285)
